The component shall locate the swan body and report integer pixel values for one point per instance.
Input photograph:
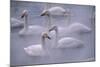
(16, 23)
(78, 28)
(54, 11)
(35, 50)
(69, 42)
(34, 29)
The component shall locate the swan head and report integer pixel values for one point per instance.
(24, 13)
(53, 28)
(45, 35)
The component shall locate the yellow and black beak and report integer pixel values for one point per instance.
(53, 28)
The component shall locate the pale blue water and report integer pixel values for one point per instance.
(80, 14)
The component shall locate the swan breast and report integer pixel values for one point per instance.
(34, 50)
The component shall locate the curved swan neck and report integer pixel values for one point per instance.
(55, 28)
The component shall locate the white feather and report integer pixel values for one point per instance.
(35, 50)
(69, 42)
(56, 11)
(78, 28)
(16, 23)
(34, 29)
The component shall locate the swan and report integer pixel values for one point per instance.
(38, 49)
(75, 28)
(32, 29)
(65, 42)
(16, 23)
(54, 11)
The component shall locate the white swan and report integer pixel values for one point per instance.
(16, 23)
(75, 28)
(54, 11)
(66, 41)
(38, 49)
(32, 29)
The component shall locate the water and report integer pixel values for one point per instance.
(80, 14)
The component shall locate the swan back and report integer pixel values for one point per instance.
(56, 11)
(78, 28)
(69, 42)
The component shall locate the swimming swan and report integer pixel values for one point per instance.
(32, 29)
(38, 49)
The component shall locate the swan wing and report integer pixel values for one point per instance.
(56, 11)
(16, 23)
(32, 30)
(69, 42)
(78, 28)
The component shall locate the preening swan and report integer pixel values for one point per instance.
(32, 29)
(38, 49)
(16, 23)
(66, 42)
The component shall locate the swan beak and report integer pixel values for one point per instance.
(53, 28)
(42, 14)
(49, 37)
(22, 16)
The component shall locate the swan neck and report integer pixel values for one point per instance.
(49, 22)
(43, 42)
(56, 39)
(26, 22)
